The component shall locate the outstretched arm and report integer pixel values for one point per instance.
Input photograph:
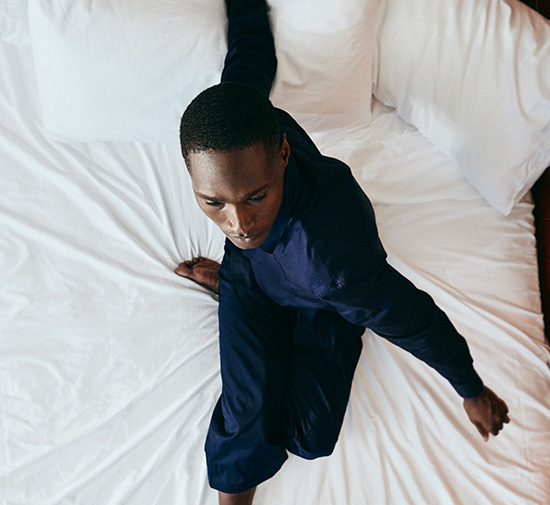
(251, 55)
(409, 318)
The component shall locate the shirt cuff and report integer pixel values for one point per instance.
(468, 386)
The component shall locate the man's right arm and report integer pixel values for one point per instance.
(390, 305)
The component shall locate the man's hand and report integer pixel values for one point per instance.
(201, 270)
(487, 412)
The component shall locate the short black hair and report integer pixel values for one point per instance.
(227, 116)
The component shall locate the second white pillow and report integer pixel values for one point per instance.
(474, 77)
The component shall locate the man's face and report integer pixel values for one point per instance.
(241, 190)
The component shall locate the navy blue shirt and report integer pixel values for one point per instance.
(323, 253)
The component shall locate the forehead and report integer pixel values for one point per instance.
(236, 170)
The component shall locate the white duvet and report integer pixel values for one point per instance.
(109, 362)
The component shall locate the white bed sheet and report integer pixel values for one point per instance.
(109, 362)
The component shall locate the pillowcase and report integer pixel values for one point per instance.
(120, 70)
(474, 77)
(325, 51)
(126, 70)
(14, 25)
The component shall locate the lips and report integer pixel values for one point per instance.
(248, 239)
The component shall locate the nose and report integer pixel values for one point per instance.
(240, 221)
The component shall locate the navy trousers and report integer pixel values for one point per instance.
(287, 376)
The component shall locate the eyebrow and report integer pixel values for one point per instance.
(246, 197)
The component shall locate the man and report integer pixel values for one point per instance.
(303, 274)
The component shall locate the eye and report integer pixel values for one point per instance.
(214, 204)
(255, 199)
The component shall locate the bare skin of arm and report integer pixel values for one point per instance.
(244, 498)
(487, 412)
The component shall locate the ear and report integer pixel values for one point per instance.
(284, 153)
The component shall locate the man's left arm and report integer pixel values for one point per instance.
(390, 305)
(251, 57)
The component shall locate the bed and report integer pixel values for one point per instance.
(109, 361)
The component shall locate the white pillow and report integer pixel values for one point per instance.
(126, 69)
(474, 77)
(325, 50)
(14, 23)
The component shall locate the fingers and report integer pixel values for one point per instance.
(499, 420)
(185, 269)
(488, 413)
(504, 413)
(497, 423)
(496, 429)
(501, 417)
(484, 431)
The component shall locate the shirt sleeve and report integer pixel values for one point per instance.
(251, 57)
(390, 305)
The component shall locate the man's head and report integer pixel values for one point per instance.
(236, 157)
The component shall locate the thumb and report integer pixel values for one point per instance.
(482, 431)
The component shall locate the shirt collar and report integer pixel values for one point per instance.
(290, 191)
